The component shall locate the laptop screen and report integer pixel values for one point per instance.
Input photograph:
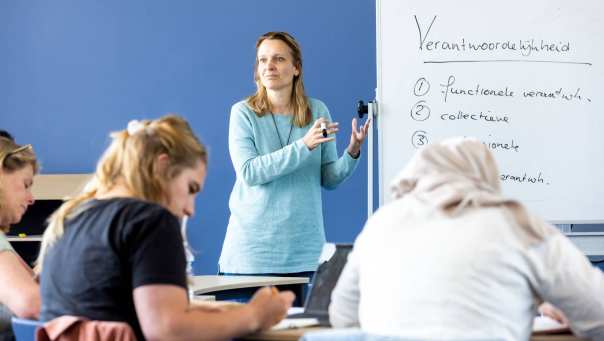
(325, 280)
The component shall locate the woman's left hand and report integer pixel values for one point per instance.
(357, 137)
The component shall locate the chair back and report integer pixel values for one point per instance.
(25, 330)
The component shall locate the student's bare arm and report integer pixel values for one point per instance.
(18, 289)
(164, 313)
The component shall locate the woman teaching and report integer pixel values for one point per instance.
(283, 149)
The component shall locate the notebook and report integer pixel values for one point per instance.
(547, 325)
(318, 299)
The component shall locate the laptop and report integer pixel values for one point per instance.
(325, 279)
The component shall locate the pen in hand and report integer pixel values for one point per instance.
(324, 129)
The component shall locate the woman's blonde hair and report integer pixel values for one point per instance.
(14, 157)
(131, 160)
(259, 101)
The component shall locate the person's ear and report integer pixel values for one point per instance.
(162, 161)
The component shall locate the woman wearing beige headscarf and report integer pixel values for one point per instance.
(453, 258)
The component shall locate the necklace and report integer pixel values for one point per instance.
(291, 127)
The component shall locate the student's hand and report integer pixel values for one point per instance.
(357, 137)
(314, 135)
(270, 306)
(551, 311)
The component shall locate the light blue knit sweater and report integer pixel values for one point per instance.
(276, 222)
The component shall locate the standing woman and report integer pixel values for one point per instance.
(283, 149)
(19, 293)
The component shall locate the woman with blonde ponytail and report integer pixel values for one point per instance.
(116, 253)
(19, 292)
(282, 144)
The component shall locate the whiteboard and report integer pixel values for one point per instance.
(521, 76)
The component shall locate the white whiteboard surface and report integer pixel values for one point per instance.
(534, 67)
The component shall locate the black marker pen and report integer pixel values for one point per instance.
(324, 129)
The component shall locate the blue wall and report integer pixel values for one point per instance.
(72, 71)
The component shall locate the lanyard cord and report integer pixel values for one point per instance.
(291, 127)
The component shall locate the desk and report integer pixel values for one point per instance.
(282, 335)
(241, 288)
(295, 334)
(559, 337)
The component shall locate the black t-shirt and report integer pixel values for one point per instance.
(107, 250)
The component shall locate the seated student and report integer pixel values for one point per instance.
(115, 252)
(453, 258)
(19, 292)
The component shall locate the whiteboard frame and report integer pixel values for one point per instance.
(378, 95)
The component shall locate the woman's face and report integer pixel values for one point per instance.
(276, 65)
(16, 194)
(181, 190)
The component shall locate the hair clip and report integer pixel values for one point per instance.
(19, 149)
(134, 127)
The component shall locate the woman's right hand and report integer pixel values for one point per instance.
(553, 312)
(270, 306)
(314, 135)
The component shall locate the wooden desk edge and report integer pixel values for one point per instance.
(295, 334)
(283, 335)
